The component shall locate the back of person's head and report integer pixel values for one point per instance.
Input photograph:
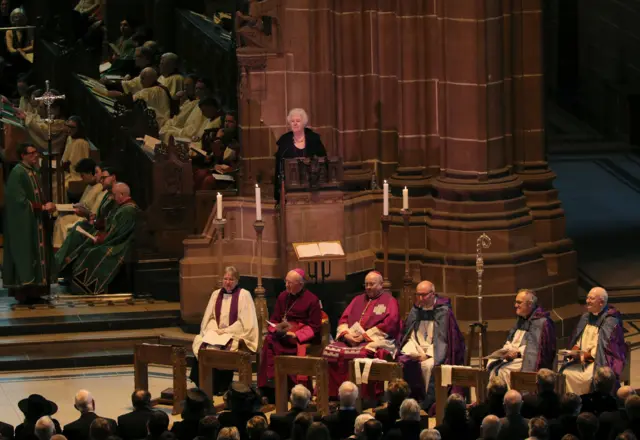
(256, 426)
(270, 435)
(632, 406)
(569, 437)
(430, 434)
(490, 427)
(62, 437)
(229, 433)
(570, 404)
(410, 410)
(300, 426)
(358, 426)
(455, 411)
(157, 423)
(318, 431)
(100, 429)
(300, 397)
(86, 166)
(604, 381)
(512, 402)
(626, 435)
(587, 424)
(208, 427)
(397, 391)
(373, 430)
(348, 394)
(84, 402)
(44, 429)
(624, 392)
(140, 399)
(496, 388)
(539, 428)
(546, 380)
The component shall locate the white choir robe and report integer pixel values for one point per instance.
(157, 100)
(244, 329)
(421, 343)
(515, 365)
(578, 376)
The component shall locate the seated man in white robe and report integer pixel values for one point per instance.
(597, 341)
(169, 75)
(155, 95)
(229, 323)
(190, 121)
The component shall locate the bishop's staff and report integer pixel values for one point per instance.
(483, 242)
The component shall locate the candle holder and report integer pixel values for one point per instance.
(220, 223)
(407, 282)
(386, 222)
(260, 300)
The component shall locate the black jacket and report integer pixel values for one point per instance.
(388, 417)
(546, 404)
(6, 431)
(24, 431)
(514, 428)
(133, 425)
(341, 423)
(79, 430)
(282, 423)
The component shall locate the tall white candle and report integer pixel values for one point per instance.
(385, 200)
(405, 199)
(219, 206)
(258, 204)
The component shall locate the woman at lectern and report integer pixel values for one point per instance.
(299, 142)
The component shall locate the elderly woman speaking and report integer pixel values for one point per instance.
(299, 142)
(229, 323)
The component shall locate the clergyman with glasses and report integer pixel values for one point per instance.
(431, 338)
(531, 342)
(27, 247)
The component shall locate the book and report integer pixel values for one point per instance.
(319, 249)
(356, 329)
(222, 177)
(198, 150)
(213, 338)
(105, 66)
(182, 140)
(64, 207)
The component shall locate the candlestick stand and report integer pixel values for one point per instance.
(386, 222)
(260, 300)
(219, 224)
(406, 301)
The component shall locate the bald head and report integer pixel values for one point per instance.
(44, 428)
(294, 282)
(512, 402)
(425, 294)
(148, 77)
(168, 64)
(490, 426)
(373, 284)
(597, 300)
(121, 192)
(624, 392)
(84, 401)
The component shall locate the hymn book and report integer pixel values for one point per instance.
(318, 250)
(213, 338)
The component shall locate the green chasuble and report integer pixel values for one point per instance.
(95, 265)
(27, 251)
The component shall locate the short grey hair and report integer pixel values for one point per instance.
(490, 426)
(300, 397)
(604, 380)
(348, 393)
(169, 56)
(532, 295)
(410, 410)
(497, 385)
(546, 379)
(512, 402)
(84, 401)
(45, 428)
(358, 426)
(233, 271)
(430, 434)
(299, 112)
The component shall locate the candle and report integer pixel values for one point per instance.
(219, 206)
(405, 199)
(385, 201)
(258, 204)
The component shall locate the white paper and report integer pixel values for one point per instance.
(64, 207)
(271, 324)
(105, 66)
(328, 248)
(357, 330)
(224, 177)
(182, 140)
(213, 338)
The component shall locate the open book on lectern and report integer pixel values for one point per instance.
(318, 250)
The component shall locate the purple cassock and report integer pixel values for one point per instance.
(380, 318)
(448, 346)
(304, 313)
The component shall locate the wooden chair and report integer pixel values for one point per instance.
(210, 358)
(307, 366)
(527, 382)
(176, 357)
(382, 371)
(462, 377)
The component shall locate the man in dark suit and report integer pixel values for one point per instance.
(397, 391)
(6, 431)
(133, 425)
(513, 425)
(281, 423)
(601, 399)
(341, 422)
(610, 420)
(80, 429)
(570, 407)
(546, 403)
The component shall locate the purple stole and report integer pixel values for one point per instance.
(233, 310)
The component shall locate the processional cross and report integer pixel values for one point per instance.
(48, 98)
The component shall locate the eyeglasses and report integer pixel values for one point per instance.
(425, 294)
(104, 178)
(31, 153)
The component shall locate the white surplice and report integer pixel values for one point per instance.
(515, 365)
(579, 376)
(421, 343)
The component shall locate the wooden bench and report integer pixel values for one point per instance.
(210, 358)
(307, 366)
(381, 371)
(527, 382)
(173, 356)
(461, 377)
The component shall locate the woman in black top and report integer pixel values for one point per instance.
(299, 142)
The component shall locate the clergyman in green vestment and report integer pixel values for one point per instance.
(27, 247)
(95, 256)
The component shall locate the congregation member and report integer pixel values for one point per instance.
(341, 422)
(89, 202)
(95, 262)
(231, 314)
(76, 149)
(300, 141)
(610, 420)
(564, 422)
(34, 407)
(190, 121)
(155, 95)
(368, 328)
(44, 429)
(455, 423)
(80, 428)
(531, 342)
(601, 399)
(133, 425)
(27, 249)
(296, 321)
(493, 404)
(299, 398)
(222, 159)
(513, 426)
(490, 428)
(170, 76)
(598, 341)
(545, 402)
(397, 391)
(409, 425)
(196, 406)
(242, 403)
(431, 338)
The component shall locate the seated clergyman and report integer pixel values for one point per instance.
(531, 342)
(156, 95)
(431, 338)
(597, 341)
(229, 323)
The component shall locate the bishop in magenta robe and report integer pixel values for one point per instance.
(295, 322)
(368, 328)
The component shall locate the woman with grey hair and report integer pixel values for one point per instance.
(301, 141)
(229, 323)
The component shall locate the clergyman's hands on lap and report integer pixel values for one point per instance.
(283, 326)
(510, 355)
(220, 331)
(419, 357)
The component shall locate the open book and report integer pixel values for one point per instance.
(320, 249)
(212, 338)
